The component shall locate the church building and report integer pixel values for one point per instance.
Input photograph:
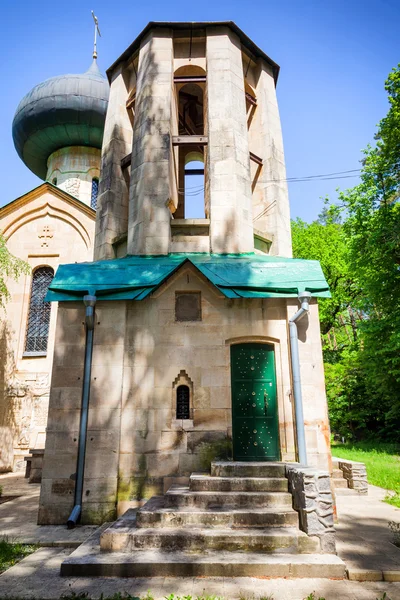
(185, 332)
(58, 131)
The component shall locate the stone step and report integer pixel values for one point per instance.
(204, 483)
(154, 514)
(346, 492)
(247, 469)
(337, 473)
(182, 496)
(89, 561)
(339, 483)
(287, 540)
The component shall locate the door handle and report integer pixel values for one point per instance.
(265, 401)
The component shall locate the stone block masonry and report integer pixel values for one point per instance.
(312, 498)
(355, 474)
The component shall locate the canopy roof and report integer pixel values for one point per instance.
(235, 275)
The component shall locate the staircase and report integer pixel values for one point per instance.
(339, 482)
(238, 521)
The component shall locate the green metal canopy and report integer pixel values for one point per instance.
(235, 275)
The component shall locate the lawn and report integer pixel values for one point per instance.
(11, 553)
(382, 462)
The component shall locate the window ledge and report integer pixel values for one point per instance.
(179, 424)
(34, 354)
(190, 226)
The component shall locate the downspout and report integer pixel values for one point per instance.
(89, 302)
(304, 298)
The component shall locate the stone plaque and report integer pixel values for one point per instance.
(188, 306)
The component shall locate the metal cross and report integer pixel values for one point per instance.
(96, 31)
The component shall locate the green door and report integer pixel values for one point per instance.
(254, 406)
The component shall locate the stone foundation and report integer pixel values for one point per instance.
(312, 498)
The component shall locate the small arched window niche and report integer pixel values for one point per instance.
(95, 193)
(37, 332)
(183, 402)
(182, 398)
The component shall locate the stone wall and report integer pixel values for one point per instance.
(46, 227)
(136, 446)
(73, 168)
(312, 498)
(355, 473)
(242, 198)
(228, 162)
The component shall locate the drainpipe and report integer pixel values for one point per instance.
(304, 298)
(89, 302)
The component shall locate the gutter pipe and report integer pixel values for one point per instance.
(89, 302)
(304, 298)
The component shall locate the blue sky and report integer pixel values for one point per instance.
(334, 58)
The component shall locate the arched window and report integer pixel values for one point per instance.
(39, 312)
(193, 190)
(182, 402)
(95, 192)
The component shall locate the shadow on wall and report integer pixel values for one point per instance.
(229, 236)
(12, 393)
(150, 187)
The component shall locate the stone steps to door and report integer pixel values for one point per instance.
(228, 530)
(182, 496)
(247, 469)
(154, 514)
(88, 561)
(204, 483)
(286, 540)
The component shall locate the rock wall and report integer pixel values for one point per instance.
(312, 498)
(356, 475)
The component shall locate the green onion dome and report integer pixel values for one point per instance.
(69, 110)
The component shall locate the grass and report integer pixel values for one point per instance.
(11, 553)
(382, 462)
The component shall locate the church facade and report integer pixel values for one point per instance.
(177, 340)
(48, 226)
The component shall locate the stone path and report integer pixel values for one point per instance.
(364, 542)
(363, 539)
(37, 576)
(18, 517)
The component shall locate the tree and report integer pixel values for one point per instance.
(324, 240)
(372, 229)
(10, 267)
(358, 244)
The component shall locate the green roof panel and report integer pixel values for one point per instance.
(235, 275)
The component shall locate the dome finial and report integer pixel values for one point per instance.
(96, 31)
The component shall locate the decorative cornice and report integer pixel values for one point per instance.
(39, 191)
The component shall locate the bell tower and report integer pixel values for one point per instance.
(192, 157)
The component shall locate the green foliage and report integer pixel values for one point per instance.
(325, 241)
(358, 244)
(312, 596)
(11, 553)
(10, 267)
(1, 490)
(204, 597)
(382, 462)
(218, 450)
